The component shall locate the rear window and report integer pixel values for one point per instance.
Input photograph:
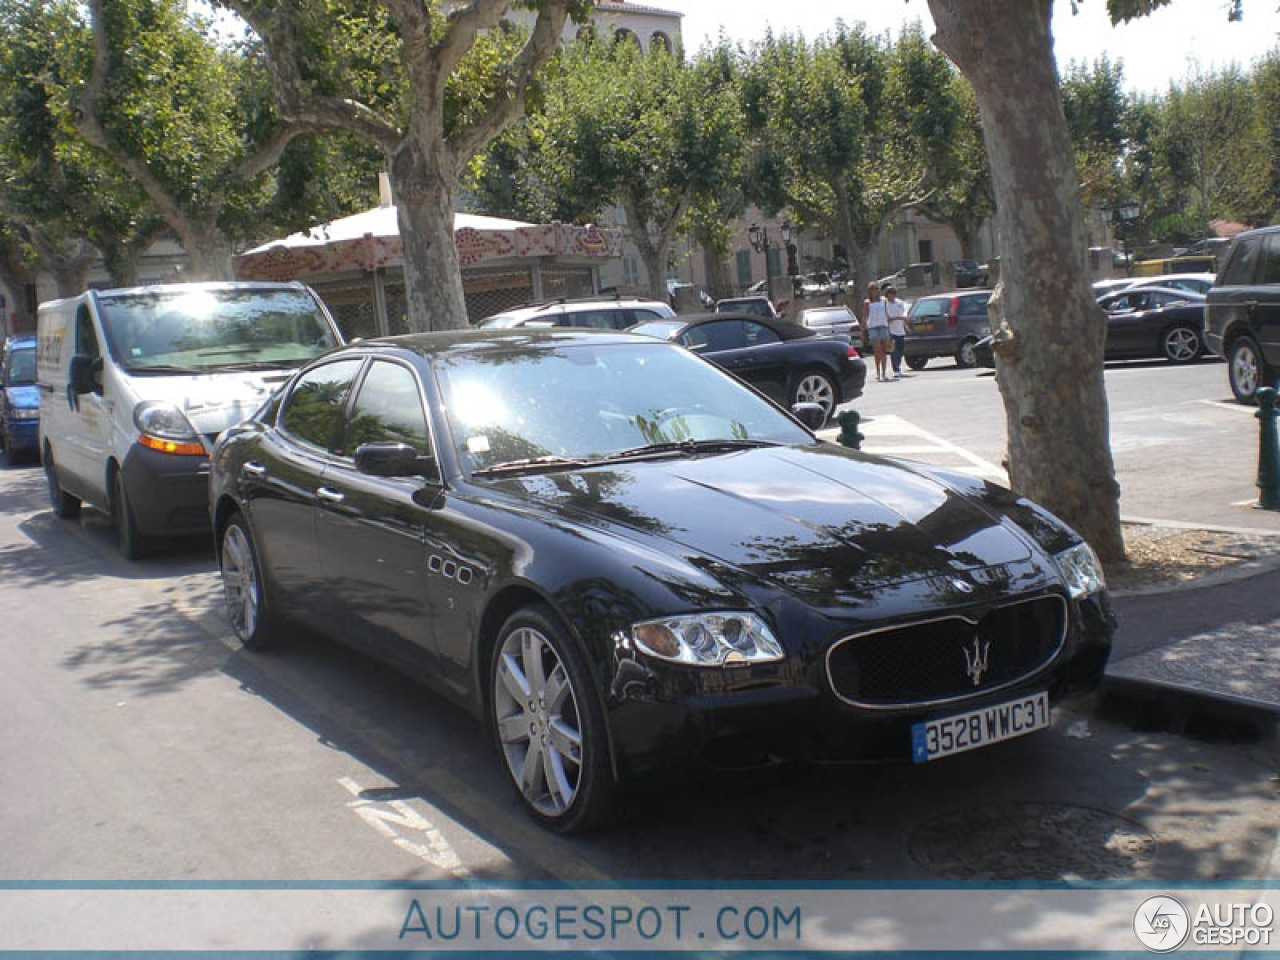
(929, 308)
(1240, 270)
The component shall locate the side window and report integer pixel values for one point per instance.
(1271, 268)
(1240, 270)
(388, 409)
(86, 338)
(592, 319)
(758, 333)
(717, 335)
(313, 410)
(973, 306)
(1120, 304)
(641, 316)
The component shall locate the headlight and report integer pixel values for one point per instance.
(32, 414)
(708, 639)
(166, 428)
(1081, 570)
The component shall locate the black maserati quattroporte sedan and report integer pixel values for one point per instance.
(630, 564)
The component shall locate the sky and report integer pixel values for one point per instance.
(1156, 50)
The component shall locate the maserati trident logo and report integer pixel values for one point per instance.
(976, 661)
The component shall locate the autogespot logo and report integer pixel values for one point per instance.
(1161, 924)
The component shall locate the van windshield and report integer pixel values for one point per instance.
(203, 331)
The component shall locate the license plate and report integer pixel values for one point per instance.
(979, 728)
(922, 327)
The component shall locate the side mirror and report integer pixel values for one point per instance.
(394, 460)
(812, 415)
(82, 375)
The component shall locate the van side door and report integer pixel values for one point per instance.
(82, 448)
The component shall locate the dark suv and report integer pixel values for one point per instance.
(947, 325)
(1242, 312)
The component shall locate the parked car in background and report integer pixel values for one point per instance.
(1154, 322)
(837, 321)
(596, 313)
(703, 298)
(1103, 287)
(19, 399)
(969, 273)
(658, 572)
(946, 325)
(1242, 313)
(752, 306)
(1191, 282)
(136, 384)
(783, 360)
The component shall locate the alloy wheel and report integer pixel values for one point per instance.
(1181, 345)
(536, 713)
(815, 388)
(240, 582)
(1244, 370)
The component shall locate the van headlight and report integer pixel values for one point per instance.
(708, 639)
(1081, 570)
(165, 428)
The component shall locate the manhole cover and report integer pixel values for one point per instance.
(1031, 841)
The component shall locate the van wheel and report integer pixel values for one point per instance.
(64, 504)
(131, 544)
(1247, 369)
(965, 356)
(917, 363)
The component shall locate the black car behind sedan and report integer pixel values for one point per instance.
(783, 360)
(1154, 322)
(630, 565)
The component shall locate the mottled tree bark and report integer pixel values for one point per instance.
(1050, 333)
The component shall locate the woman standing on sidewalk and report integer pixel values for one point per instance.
(876, 323)
(896, 314)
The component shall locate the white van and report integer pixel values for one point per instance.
(136, 384)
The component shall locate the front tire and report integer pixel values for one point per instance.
(814, 386)
(65, 506)
(1247, 369)
(1180, 344)
(131, 543)
(243, 587)
(548, 723)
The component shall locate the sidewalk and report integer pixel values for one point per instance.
(1201, 655)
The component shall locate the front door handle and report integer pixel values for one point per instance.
(330, 496)
(254, 469)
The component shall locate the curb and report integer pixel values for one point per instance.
(1233, 574)
(1189, 710)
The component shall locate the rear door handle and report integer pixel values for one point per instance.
(330, 496)
(254, 469)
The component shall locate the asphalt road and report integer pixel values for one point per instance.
(1184, 450)
(139, 742)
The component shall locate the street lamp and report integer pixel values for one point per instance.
(759, 238)
(1122, 219)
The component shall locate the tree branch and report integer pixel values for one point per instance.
(509, 104)
(463, 25)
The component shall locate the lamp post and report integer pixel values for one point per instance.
(760, 243)
(1123, 219)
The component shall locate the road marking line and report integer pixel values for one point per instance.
(1237, 407)
(437, 851)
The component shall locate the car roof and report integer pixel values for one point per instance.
(982, 292)
(783, 328)
(529, 310)
(456, 343)
(1154, 288)
(1165, 277)
(20, 340)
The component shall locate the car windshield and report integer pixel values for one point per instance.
(214, 329)
(20, 367)
(585, 402)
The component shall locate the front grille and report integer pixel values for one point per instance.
(936, 660)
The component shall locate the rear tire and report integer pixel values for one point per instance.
(917, 363)
(814, 386)
(65, 506)
(251, 618)
(1181, 344)
(1247, 369)
(965, 357)
(548, 723)
(132, 544)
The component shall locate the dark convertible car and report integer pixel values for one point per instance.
(783, 360)
(1154, 322)
(631, 565)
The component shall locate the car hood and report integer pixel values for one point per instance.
(820, 522)
(23, 397)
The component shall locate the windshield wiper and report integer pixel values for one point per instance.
(258, 365)
(690, 447)
(219, 351)
(165, 369)
(551, 462)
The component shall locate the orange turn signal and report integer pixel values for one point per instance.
(179, 447)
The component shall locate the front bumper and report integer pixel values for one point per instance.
(669, 722)
(22, 434)
(168, 494)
